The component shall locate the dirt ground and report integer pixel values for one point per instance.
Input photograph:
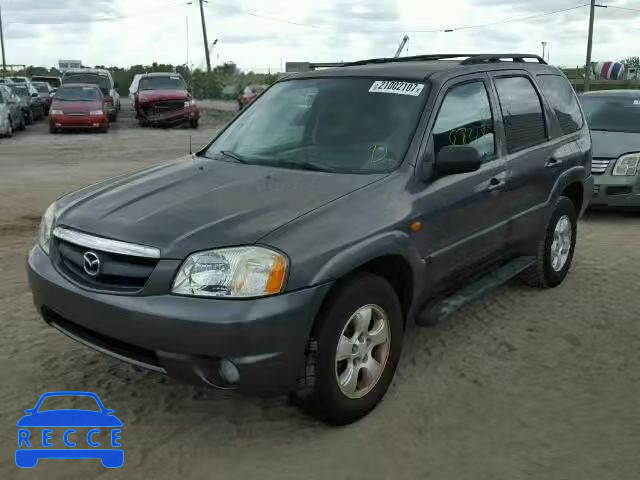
(523, 384)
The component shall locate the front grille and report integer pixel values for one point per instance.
(165, 106)
(102, 343)
(117, 272)
(78, 114)
(596, 191)
(599, 165)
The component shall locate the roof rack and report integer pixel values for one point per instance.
(467, 59)
(501, 57)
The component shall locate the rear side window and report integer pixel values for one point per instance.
(521, 112)
(465, 119)
(563, 101)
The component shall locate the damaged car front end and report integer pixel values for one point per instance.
(164, 100)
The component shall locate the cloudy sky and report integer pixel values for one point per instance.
(260, 34)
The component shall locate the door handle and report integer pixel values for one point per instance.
(553, 162)
(495, 184)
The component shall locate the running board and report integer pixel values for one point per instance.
(437, 312)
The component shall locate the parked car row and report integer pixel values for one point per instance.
(22, 103)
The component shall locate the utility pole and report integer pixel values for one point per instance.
(204, 35)
(4, 61)
(544, 46)
(587, 71)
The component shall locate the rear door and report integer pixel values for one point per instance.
(533, 161)
(464, 213)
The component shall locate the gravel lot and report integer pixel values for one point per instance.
(522, 384)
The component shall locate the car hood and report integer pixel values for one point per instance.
(69, 418)
(76, 107)
(614, 144)
(194, 203)
(146, 96)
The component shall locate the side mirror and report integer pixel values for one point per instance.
(454, 159)
(29, 410)
(34, 94)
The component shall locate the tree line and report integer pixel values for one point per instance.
(202, 84)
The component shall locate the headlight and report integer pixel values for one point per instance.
(627, 165)
(189, 103)
(46, 227)
(56, 112)
(232, 272)
(96, 112)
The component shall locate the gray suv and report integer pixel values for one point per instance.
(292, 252)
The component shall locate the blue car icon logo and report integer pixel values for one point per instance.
(80, 433)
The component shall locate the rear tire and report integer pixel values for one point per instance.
(545, 273)
(348, 382)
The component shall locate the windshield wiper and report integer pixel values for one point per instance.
(231, 154)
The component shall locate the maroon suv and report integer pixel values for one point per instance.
(163, 99)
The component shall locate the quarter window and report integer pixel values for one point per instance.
(563, 100)
(465, 119)
(522, 114)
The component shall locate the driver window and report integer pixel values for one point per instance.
(465, 119)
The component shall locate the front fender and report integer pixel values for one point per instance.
(394, 243)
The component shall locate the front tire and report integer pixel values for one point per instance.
(555, 250)
(356, 342)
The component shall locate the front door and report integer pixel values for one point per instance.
(464, 217)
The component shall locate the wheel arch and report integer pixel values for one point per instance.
(392, 256)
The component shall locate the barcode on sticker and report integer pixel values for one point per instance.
(399, 88)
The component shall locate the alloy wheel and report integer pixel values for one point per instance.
(363, 350)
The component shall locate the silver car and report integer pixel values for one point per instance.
(15, 109)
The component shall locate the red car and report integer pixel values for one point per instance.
(249, 94)
(78, 106)
(163, 99)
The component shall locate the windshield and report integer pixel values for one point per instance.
(348, 125)
(18, 79)
(21, 90)
(610, 113)
(78, 94)
(54, 82)
(69, 402)
(173, 82)
(41, 88)
(101, 80)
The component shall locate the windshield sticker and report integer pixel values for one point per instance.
(636, 102)
(174, 78)
(398, 88)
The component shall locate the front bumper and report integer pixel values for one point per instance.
(188, 338)
(172, 117)
(78, 121)
(616, 191)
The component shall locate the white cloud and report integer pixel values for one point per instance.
(259, 35)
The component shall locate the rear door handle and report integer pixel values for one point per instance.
(496, 184)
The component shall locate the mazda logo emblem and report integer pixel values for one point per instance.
(91, 264)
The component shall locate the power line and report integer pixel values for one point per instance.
(502, 22)
(624, 8)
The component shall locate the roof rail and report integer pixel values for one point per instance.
(467, 58)
(500, 57)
